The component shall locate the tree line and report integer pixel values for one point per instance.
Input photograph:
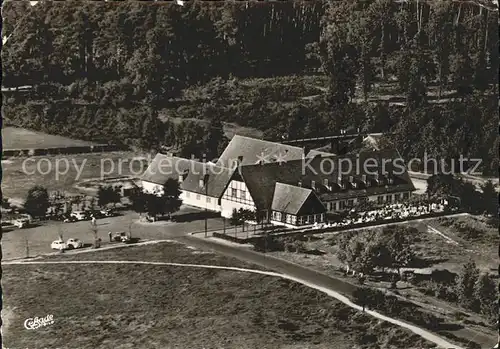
(156, 45)
(442, 57)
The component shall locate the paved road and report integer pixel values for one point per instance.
(271, 263)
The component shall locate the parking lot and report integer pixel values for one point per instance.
(39, 238)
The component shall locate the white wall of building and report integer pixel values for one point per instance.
(188, 198)
(236, 196)
(200, 201)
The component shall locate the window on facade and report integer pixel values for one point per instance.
(198, 196)
(380, 199)
(334, 206)
(350, 203)
(363, 199)
(234, 193)
(397, 197)
(406, 195)
(208, 199)
(341, 205)
(388, 198)
(243, 194)
(289, 218)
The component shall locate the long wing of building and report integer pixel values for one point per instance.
(283, 185)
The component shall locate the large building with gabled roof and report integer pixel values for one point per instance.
(288, 189)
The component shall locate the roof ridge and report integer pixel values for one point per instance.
(291, 185)
(266, 141)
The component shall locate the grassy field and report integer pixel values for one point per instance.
(20, 174)
(477, 239)
(141, 306)
(20, 138)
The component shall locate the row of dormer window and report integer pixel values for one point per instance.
(347, 182)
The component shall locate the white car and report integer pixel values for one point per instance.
(58, 245)
(74, 243)
(21, 222)
(80, 215)
(120, 236)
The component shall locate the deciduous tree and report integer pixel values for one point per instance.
(37, 201)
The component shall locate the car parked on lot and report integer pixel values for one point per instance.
(121, 237)
(21, 222)
(74, 243)
(79, 215)
(107, 213)
(69, 219)
(58, 245)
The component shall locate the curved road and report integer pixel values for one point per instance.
(318, 285)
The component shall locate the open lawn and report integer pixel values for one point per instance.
(476, 237)
(20, 138)
(147, 306)
(62, 172)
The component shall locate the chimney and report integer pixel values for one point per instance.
(201, 183)
(353, 182)
(325, 182)
(313, 185)
(390, 179)
(240, 160)
(367, 181)
(299, 184)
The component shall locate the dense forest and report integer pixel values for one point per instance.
(106, 70)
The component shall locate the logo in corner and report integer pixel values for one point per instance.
(37, 322)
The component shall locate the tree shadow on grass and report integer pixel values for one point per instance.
(194, 216)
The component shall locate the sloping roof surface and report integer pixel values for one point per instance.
(288, 198)
(316, 152)
(261, 179)
(252, 150)
(164, 167)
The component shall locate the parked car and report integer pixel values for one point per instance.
(79, 215)
(69, 219)
(74, 243)
(93, 213)
(58, 245)
(107, 213)
(21, 222)
(121, 236)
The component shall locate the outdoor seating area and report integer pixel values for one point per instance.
(389, 212)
